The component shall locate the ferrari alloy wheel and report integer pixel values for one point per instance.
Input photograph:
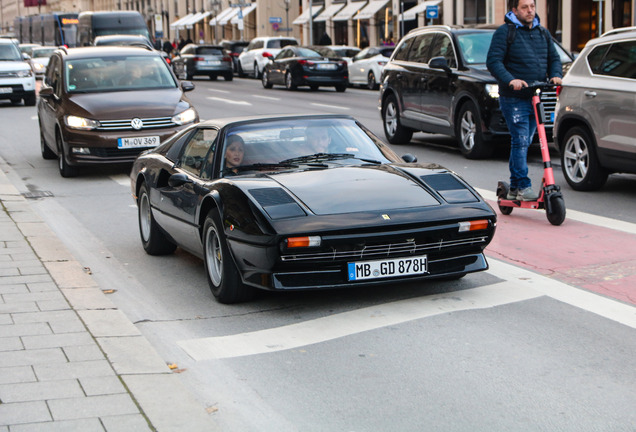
(223, 277)
(153, 239)
(468, 131)
(579, 162)
(66, 170)
(393, 130)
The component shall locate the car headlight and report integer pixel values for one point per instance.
(492, 90)
(82, 123)
(38, 67)
(185, 117)
(24, 73)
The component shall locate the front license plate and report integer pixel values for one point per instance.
(387, 268)
(150, 141)
(6, 90)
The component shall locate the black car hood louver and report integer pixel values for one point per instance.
(277, 202)
(450, 188)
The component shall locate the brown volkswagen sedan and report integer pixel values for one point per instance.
(107, 105)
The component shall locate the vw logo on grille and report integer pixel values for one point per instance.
(136, 123)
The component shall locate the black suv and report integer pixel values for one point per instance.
(436, 81)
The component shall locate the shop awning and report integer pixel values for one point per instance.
(179, 23)
(371, 9)
(329, 12)
(412, 13)
(245, 12)
(226, 19)
(349, 11)
(199, 17)
(304, 17)
(221, 15)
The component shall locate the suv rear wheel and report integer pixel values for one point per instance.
(468, 131)
(393, 130)
(579, 162)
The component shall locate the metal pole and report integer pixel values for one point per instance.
(287, 16)
(600, 17)
(402, 20)
(311, 22)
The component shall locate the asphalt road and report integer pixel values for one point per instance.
(513, 348)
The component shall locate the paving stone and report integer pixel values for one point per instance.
(18, 307)
(50, 249)
(102, 385)
(23, 263)
(69, 274)
(57, 340)
(74, 326)
(10, 343)
(13, 289)
(51, 305)
(83, 352)
(63, 316)
(42, 286)
(108, 323)
(132, 355)
(73, 370)
(44, 391)
(17, 374)
(32, 270)
(87, 298)
(52, 357)
(126, 423)
(25, 279)
(23, 412)
(6, 319)
(80, 425)
(33, 296)
(25, 330)
(92, 406)
(9, 272)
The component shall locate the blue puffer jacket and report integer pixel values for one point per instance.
(530, 57)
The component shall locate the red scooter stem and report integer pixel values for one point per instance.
(548, 174)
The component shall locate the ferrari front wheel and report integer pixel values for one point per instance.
(153, 239)
(223, 276)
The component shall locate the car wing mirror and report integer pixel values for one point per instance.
(46, 91)
(439, 63)
(178, 179)
(187, 86)
(25, 56)
(409, 158)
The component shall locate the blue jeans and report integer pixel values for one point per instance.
(519, 115)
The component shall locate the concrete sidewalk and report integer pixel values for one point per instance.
(69, 359)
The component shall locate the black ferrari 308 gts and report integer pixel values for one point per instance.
(305, 202)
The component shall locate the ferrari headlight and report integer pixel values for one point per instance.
(185, 117)
(81, 123)
(492, 90)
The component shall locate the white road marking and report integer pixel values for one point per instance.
(601, 221)
(267, 97)
(219, 91)
(121, 179)
(330, 106)
(519, 285)
(230, 101)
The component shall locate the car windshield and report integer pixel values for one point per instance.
(474, 46)
(293, 142)
(9, 52)
(117, 74)
(43, 52)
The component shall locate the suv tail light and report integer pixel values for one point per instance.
(198, 59)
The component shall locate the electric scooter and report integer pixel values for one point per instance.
(550, 196)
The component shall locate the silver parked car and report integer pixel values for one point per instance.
(595, 124)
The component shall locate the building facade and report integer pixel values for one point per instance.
(359, 23)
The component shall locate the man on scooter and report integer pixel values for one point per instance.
(521, 52)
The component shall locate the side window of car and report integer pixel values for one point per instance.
(259, 44)
(361, 55)
(402, 51)
(198, 153)
(420, 51)
(620, 60)
(443, 47)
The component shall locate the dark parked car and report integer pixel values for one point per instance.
(305, 202)
(436, 81)
(107, 105)
(296, 66)
(235, 48)
(209, 60)
(595, 126)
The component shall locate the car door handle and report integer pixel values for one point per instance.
(590, 94)
(399, 76)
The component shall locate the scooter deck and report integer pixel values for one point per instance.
(521, 204)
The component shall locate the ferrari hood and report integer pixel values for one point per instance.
(356, 189)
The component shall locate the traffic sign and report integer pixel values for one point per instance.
(241, 5)
(275, 20)
(432, 12)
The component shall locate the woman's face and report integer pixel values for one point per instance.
(234, 154)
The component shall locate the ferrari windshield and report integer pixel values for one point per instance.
(303, 141)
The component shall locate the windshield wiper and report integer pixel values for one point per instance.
(260, 166)
(319, 157)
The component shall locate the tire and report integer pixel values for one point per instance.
(557, 214)
(314, 87)
(47, 153)
(502, 193)
(341, 88)
(579, 163)
(240, 71)
(223, 277)
(213, 77)
(393, 130)
(265, 80)
(29, 100)
(153, 239)
(468, 132)
(289, 81)
(257, 73)
(371, 84)
(229, 77)
(66, 170)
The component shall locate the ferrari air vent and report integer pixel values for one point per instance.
(277, 203)
(450, 188)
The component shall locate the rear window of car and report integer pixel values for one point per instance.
(209, 51)
(386, 52)
(280, 43)
(617, 60)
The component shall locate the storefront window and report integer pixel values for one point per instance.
(475, 12)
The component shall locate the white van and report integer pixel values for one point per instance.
(17, 81)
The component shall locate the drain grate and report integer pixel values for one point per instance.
(37, 194)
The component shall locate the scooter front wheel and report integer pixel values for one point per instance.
(556, 215)
(502, 193)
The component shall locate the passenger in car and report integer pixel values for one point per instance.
(234, 153)
(318, 139)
